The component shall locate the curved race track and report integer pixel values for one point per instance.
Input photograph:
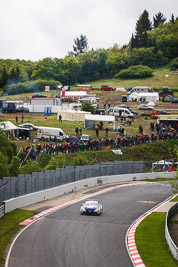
(67, 239)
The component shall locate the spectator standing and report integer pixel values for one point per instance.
(140, 129)
(76, 131)
(16, 119)
(22, 117)
(97, 131)
(60, 118)
(106, 131)
(80, 131)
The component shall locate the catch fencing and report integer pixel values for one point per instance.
(172, 211)
(12, 187)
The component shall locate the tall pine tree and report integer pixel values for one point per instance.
(158, 19)
(81, 45)
(143, 24)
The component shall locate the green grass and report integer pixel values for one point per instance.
(151, 242)
(9, 226)
(175, 199)
(157, 81)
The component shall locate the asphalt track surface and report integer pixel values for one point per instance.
(67, 239)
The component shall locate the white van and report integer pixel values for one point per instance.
(45, 133)
(120, 112)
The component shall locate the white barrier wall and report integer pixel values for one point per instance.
(36, 197)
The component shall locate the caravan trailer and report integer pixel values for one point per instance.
(140, 89)
(47, 133)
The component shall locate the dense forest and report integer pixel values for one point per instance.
(154, 44)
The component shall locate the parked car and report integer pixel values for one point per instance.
(38, 95)
(85, 137)
(29, 126)
(91, 207)
(22, 109)
(107, 88)
(145, 106)
(163, 112)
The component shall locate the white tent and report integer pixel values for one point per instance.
(72, 115)
(103, 118)
(11, 128)
(148, 96)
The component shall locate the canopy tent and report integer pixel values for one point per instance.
(90, 120)
(147, 96)
(13, 130)
(72, 115)
(164, 164)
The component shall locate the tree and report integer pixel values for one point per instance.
(159, 18)
(29, 167)
(143, 24)
(172, 19)
(56, 162)
(3, 166)
(87, 106)
(14, 166)
(81, 45)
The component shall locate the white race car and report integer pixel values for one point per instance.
(91, 206)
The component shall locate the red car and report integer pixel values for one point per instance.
(107, 88)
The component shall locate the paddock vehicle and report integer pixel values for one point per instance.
(29, 126)
(47, 133)
(120, 112)
(145, 107)
(107, 88)
(91, 206)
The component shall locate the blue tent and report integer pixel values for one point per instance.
(74, 139)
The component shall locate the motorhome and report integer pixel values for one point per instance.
(47, 133)
(139, 89)
(120, 112)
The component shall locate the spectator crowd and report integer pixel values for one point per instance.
(160, 132)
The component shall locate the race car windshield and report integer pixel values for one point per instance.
(93, 203)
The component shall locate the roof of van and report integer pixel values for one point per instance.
(49, 128)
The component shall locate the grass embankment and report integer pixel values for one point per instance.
(175, 199)
(147, 152)
(151, 242)
(9, 226)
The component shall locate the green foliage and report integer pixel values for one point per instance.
(29, 167)
(32, 86)
(7, 148)
(3, 165)
(14, 166)
(135, 72)
(79, 160)
(57, 161)
(158, 19)
(81, 45)
(44, 160)
(174, 63)
(87, 106)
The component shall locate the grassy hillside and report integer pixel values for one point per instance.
(157, 81)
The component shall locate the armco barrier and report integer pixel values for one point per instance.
(171, 212)
(36, 197)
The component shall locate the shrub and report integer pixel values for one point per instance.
(138, 71)
(28, 87)
(174, 63)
